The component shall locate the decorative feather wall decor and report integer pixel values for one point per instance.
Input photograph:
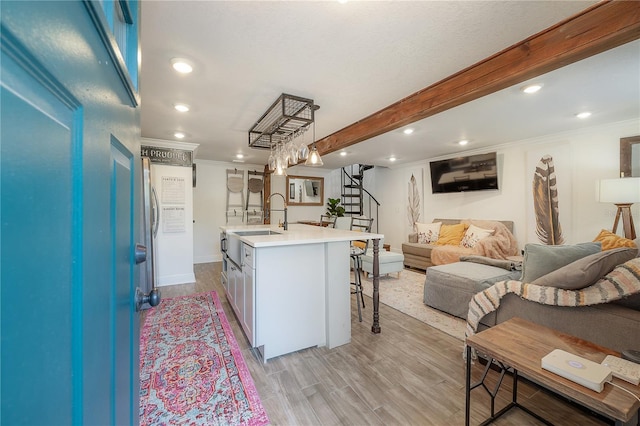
(413, 208)
(545, 203)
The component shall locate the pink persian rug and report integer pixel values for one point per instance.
(191, 369)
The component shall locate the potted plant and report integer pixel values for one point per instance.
(333, 209)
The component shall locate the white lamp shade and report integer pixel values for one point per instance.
(620, 191)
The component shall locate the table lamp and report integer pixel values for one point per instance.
(623, 193)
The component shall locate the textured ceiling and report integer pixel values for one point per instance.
(354, 59)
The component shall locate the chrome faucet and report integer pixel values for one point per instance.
(272, 210)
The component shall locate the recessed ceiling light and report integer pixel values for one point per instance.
(181, 65)
(239, 156)
(238, 161)
(532, 88)
(407, 131)
(179, 135)
(343, 153)
(181, 107)
(463, 142)
(583, 115)
(392, 158)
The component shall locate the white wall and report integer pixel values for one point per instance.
(593, 155)
(210, 201)
(174, 250)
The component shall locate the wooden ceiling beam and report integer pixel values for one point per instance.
(599, 28)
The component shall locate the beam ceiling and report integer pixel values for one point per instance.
(602, 27)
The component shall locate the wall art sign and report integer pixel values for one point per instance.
(173, 219)
(168, 156)
(173, 190)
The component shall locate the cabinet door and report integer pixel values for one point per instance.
(249, 303)
(239, 297)
(225, 282)
(231, 277)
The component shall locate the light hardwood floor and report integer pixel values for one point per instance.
(410, 374)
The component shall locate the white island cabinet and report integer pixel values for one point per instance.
(294, 290)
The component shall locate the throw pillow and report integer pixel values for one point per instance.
(586, 271)
(473, 235)
(610, 240)
(451, 234)
(428, 233)
(540, 259)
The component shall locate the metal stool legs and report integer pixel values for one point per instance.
(357, 270)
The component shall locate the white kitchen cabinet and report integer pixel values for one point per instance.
(248, 272)
(293, 290)
(234, 276)
(225, 282)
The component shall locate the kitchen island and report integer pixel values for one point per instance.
(290, 289)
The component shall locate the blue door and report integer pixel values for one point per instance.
(69, 214)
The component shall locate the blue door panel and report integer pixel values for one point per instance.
(37, 278)
(121, 193)
(69, 168)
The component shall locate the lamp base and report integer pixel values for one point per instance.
(624, 210)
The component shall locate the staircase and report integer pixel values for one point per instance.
(355, 199)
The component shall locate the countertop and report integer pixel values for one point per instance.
(296, 234)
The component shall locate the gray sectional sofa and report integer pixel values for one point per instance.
(615, 325)
(449, 288)
(417, 255)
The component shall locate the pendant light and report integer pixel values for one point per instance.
(314, 158)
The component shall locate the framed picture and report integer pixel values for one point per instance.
(305, 190)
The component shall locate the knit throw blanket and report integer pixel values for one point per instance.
(622, 282)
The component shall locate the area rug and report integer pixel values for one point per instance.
(191, 369)
(406, 295)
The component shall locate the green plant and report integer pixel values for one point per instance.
(333, 209)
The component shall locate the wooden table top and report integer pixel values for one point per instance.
(522, 344)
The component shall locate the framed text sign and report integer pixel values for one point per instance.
(168, 156)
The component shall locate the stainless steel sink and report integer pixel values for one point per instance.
(256, 232)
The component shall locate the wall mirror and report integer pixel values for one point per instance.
(305, 191)
(630, 157)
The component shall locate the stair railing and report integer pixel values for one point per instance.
(369, 206)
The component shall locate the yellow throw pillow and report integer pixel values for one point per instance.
(451, 234)
(610, 240)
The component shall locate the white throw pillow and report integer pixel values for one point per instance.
(428, 233)
(473, 235)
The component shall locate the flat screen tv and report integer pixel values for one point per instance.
(460, 174)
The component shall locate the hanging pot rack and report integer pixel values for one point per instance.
(288, 117)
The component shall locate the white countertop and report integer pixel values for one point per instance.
(296, 234)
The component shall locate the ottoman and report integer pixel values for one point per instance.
(388, 262)
(449, 288)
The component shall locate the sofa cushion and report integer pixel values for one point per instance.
(586, 271)
(450, 287)
(540, 259)
(416, 249)
(473, 234)
(428, 233)
(631, 302)
(451, 234)
(383, 257)
(469, 276)
(610, 240)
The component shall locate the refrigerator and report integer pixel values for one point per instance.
(149, 295)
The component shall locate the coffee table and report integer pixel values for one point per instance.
(518, 345)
